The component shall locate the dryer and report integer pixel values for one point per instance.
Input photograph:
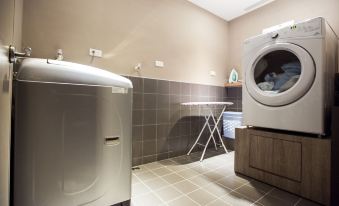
(72, 135)
(289, 76)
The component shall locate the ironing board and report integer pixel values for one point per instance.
(211, 128)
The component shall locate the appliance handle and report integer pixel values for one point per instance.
(112, 140)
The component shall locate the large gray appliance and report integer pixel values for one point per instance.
(72, 135)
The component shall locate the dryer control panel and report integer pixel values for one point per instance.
(309, 28)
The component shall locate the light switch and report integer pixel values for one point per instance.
(213, 73)
(159, 64)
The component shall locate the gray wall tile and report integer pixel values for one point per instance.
(162, 127)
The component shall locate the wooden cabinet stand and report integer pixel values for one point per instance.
(296, 163)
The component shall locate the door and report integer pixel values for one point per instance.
(280, 74)
(6, 38)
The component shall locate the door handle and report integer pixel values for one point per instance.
(14, 55)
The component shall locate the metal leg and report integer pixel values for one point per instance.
(203, 153)
(209, 127)
(197, 140)
(216, 123)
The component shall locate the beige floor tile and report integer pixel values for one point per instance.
(217, 189)
(260, 186)
(186, 186)
(201, 181)
(213, 178)
(156, 183)
(135, 179)
(269, 200)
(202, 197)
(241, 178)
(218, 202)
(177, 168)
(153, 165)
(173, 178)
(147, 200)
(139, 169)
(188, 173)
(168, 193)
(182, 201)
(139, 189)
(236, 199)
(201, 169)
(167, 162)
(288, 197)
(214, 175)
(162, 171)
(231, 183)
(145, 176)
(250, 192)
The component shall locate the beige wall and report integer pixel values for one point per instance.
(275, 13)
(188, 39)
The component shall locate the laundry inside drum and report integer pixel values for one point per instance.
(277, 71)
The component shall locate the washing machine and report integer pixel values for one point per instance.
(288, 78)
(72, 135)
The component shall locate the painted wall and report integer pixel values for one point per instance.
(188, 39)
(275, 13)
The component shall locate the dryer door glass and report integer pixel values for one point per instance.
(277, 71)
(280, 74)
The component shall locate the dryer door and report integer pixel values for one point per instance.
(280, 74)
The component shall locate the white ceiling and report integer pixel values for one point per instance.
(230, 9)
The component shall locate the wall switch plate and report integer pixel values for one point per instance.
(213, 73)
(95, 52)
(159, 64)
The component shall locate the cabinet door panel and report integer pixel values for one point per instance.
(287, 159)
(261, 149)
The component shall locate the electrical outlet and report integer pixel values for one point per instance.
(95, 52)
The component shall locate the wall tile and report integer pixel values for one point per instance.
(163, 101)
(138, 101)
(150, 86)
(138, 85)
(150, 117)
(163, 131)
(137, 116)
(150, 101)
(149, 132)
(162, 127)
(149, 147)
(163, 116)
(137, 133)
(163, 87)
(175, 87)
(185, 89)
(162, 146)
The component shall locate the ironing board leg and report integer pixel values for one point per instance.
(197, 140)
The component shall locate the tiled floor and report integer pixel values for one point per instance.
(184, 181)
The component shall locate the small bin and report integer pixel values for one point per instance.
(231, 120)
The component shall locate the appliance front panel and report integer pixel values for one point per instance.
(71, 145)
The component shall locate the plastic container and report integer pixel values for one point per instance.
(231, 120)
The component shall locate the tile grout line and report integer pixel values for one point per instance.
(199, 187)
(297, 202)
(176, 172)
(151, 191)
(266, 194)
